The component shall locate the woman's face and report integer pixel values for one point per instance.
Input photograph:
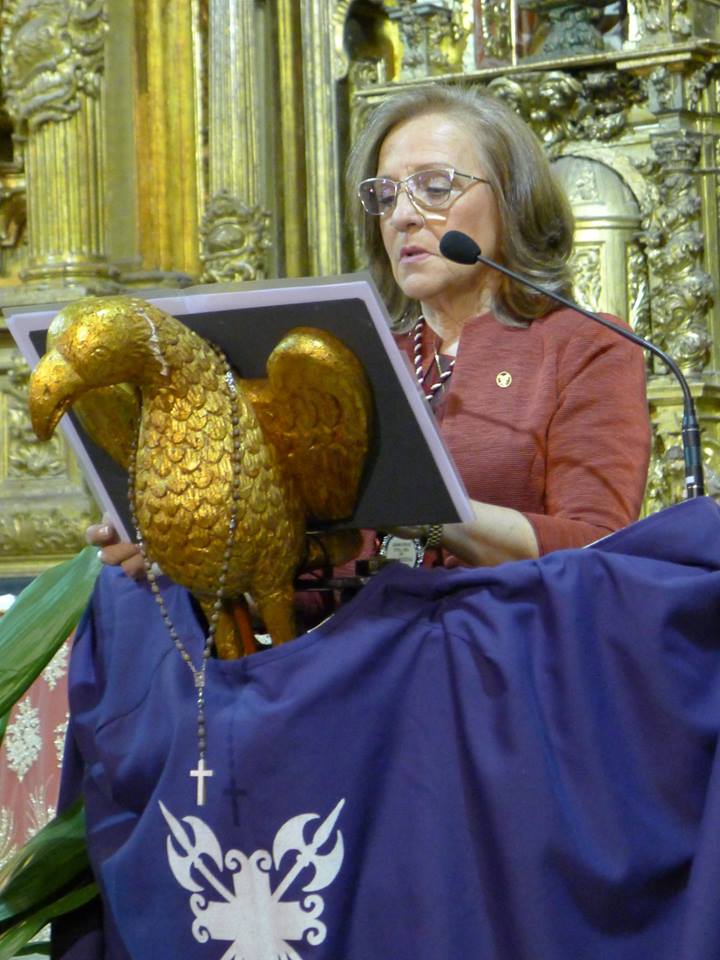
(412, 235)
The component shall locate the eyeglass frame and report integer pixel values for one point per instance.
(414, 200)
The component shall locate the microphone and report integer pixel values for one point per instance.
(461, 248)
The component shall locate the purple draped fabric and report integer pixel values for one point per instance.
(514, 763)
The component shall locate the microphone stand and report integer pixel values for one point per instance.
(694, 482)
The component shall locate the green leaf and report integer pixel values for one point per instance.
(45, 865)
(19, 935)
(35, 949)
(40, 620)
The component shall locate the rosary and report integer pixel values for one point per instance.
(200, 772)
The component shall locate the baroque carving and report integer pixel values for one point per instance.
(56, 532)
(49, 519)
(27, 457)
(495, 39)
(234, 240)
(666, 473)
(572, 26)
(638, 309)
(660, 89)
(341, 61)
(584, 189)
(367, 73)
(433, 37)
(680, 23)
(52, 51)
(653, 17)
(698, 81)
(552, 103)
(587, 276)
(611, 95)
(13, 207)
(682, 292)
(560, 107)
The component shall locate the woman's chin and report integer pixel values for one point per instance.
(419, 288)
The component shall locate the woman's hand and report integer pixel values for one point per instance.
(113, 551)
(497, 534)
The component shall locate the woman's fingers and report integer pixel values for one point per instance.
(114, 552)
(102, 534)
(134, 566)
(125, 555)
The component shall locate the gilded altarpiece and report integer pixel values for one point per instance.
(150, 143)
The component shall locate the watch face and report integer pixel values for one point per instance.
(408, 552)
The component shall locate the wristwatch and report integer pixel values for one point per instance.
(411, 552)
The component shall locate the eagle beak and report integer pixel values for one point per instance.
(54, 387)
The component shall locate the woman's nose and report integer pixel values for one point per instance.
(405, 212)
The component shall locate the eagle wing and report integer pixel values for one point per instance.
(316, 408)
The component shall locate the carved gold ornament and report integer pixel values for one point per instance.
(304, 436)
(53, 51)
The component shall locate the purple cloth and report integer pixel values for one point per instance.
(525, 755)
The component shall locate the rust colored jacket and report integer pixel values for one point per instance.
(550, 420)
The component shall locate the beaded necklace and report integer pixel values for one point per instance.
(433, 391)
(201, 772)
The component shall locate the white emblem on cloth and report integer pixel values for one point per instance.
(250, 914)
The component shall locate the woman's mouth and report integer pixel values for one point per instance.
(412, 254)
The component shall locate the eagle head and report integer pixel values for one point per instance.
(95, 342)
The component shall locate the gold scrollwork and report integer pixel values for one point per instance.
(659, 16)
(666, 474)
(367, 73)
(572, 29)
(698, 81)
(680, 23)
(495, 40)
(52, 52)
(682, 292)
(234, 240)
(27, 458)
(638, 307)
(660, 89)
(611, 95)
(650, 15)
(560, 106)
(587, 275)
(551, 102)
(433, 38)
(43, 535)
(13, 206)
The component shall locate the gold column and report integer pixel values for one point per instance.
(290, 78)
(234, 229)
(168, 136)
(325, 63)
(52, 68)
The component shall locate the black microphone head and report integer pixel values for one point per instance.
(459, 247)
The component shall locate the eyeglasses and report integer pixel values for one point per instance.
(432, 189)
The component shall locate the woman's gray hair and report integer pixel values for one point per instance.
(536, 221)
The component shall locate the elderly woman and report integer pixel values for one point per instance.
(543, 411)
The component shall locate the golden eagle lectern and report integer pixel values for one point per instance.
(149, 390)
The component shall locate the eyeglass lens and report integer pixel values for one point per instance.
(430, 188)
